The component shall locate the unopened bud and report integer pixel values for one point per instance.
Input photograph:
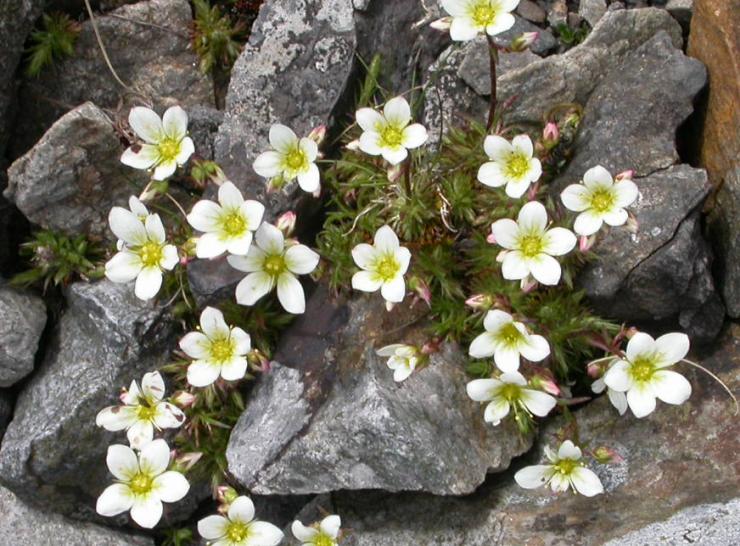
(389, 305)
(479, 301)
(524, 41)
(432, 346)
(491, 239)
(442, 24)
(186, 461)
(550, 135)
(547, 384)
(226, 495)
(258, 361)
(286, 223)
(625, 175)
(630, 332)
(394, 173)
(585, 243)
(275, 184)
(527, 284)
(184, 399)
(595, 370)
(318, 134)
(606, 455)
(422, 289)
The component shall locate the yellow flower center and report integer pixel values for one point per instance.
(274, 265)
(323, 540)
(391, 136)
(141, 484)
(237, 532)
(150, 254)
(510, 392)
(566, 466)
(531, 245)
(642, 369)
(146, 412)
(482, 13)
(517, 165)
(222, 350)
(233, 223)
(168, 149)
(387, 268)
(295, 160)
(509, 335)
(602, 200)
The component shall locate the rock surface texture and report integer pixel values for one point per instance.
(330, 416)
(22, 320)
(73, 176)
(52, 453)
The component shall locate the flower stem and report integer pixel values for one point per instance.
(717, 379)
(493, 54)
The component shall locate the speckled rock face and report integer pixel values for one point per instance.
(157, 62)
(52, 453)
(73, 176)
(22, 320)
(331, 417)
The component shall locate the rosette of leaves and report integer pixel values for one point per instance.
(53, 41)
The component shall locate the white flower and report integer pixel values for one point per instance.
(139, 209)
(402, 359)
(166, 141)
(642, 373)
(599, 199)
(218, 350)
(384, 264)
(269, 264)
(325, 535)
(566, 469)
(143, 410)
(143, 254)
(531, 246)
(239, 528)
(469, 17)
(618, 399)
(290, 158)
(143, 483)
(505, 339)
(506, 392)
(511, 164)
(227, 225)
(389, 134)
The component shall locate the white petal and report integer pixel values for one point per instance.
(123, 267)
(389, 350)
(516, 188)
(122, 462)
(640, 344)
(116, 499)
(370, 143)
(213, 527)
(290, 294)
(523, 145)
(140, 434)
(587, 223)
(330, 525)
(152, 385)
(148, 283)
(402, 373)
(482, 346)
(538, 402)
(506, 232)
(175, 123)
(282, 138)
(491, 175)
(262, 533)
(164, 170)
(618, 400)
(502, 23)
(414, 136)
(205, 216)
(252, 212)
(253, 287)
(568, 450)
(303, 533)
(366, 281)
(310, 181)
(671, 387)
(364, 255)
(253, 261)
(482, 390)
(241, 510)
(301, 260)
(545, 269)
(597, 177)
(234, 369)
(495, 319)
(155, 457)
(397, 112)
(310, 148)
(126, 226)
(201, 373)
(514, 378)
(514, 267)
(626, 191)
(268, 164)
(146, 124)
(270, 239)
(147, 511)
(672, 347)
(395, 290)
(532, 216)
(154, 228)
(369, 120)
(506, 359)
(617, 378)
(171, 486)
(496, 411)
(641, 400)
(559, 241)
(146, 156)
(239, 246)
(403, 257)
(616, 217)
(115, 418)
(187, 148)
(532, 477)
(229, 196)
(242, 340)
(395, 156)
(455, 7)
(386, 240)
(586, 482)
(209, 245)
(535, 349)
(137, 207)
(168, 416)
(170, 257)
(497, 148)
(574, 197)
(463, 29)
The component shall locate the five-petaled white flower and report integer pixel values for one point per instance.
(144, 483)
(508, 392)
(389, 134)
(269, 264)
(617, 399)
(511, 164)
(290, 158)
(323, 534)
(218, 350)
(166, 141)
(470, 17)
(227, 225)
(402, 359)
(238, 527)
(384, 264)
(143, 410)
(566, 469)
(143, 253)
(505, 339)
(642, 373)
(599, 199)
(530, 246)
(139, 209)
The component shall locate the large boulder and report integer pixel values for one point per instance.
(53, 455)
(148, 45)
(330, 416)
(23, 524)
(73, 176)
(677, 484)
(22, 321)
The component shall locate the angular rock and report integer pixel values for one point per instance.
(661, 274)
(22, 321)
(592, 10)
(679, 468)
(73, 176)
(24, 524)
(53, 455)
(330, 416)
(292, 71)
(203, 124)
(724, 229)
(148, 45)
(681, 10)
(545, 40)
(531, 11)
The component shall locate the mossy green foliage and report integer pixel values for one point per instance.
(572, 36)
(217, 37)
(53, 41)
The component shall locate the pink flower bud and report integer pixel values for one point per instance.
(318, 134)
(442, 24)
(184, 399)
(491, 239)
(550, 135)
(544, 383)
(528, 284)
(186, 461)
(422, 290)
(524, 41)
(585, 243)
(594, 370)
(286, 223)
(225, 494)
(625, 175)
(606, 455)
(432, 346)
(479, 301)
(394, 173)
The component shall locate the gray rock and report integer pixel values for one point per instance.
(293, 71)
(331, 417)
(148, 45)
(724, 229)
(681, 10)
(24, 524)
(73, 176)
(6, 410)
(531, 11)
(203, 124)
(557, 12)
(22, 320)
(678, 469)
(213, 280)
(661, 273)
(592, 10)
(53, 455)
(545, 41)
(16, 22)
